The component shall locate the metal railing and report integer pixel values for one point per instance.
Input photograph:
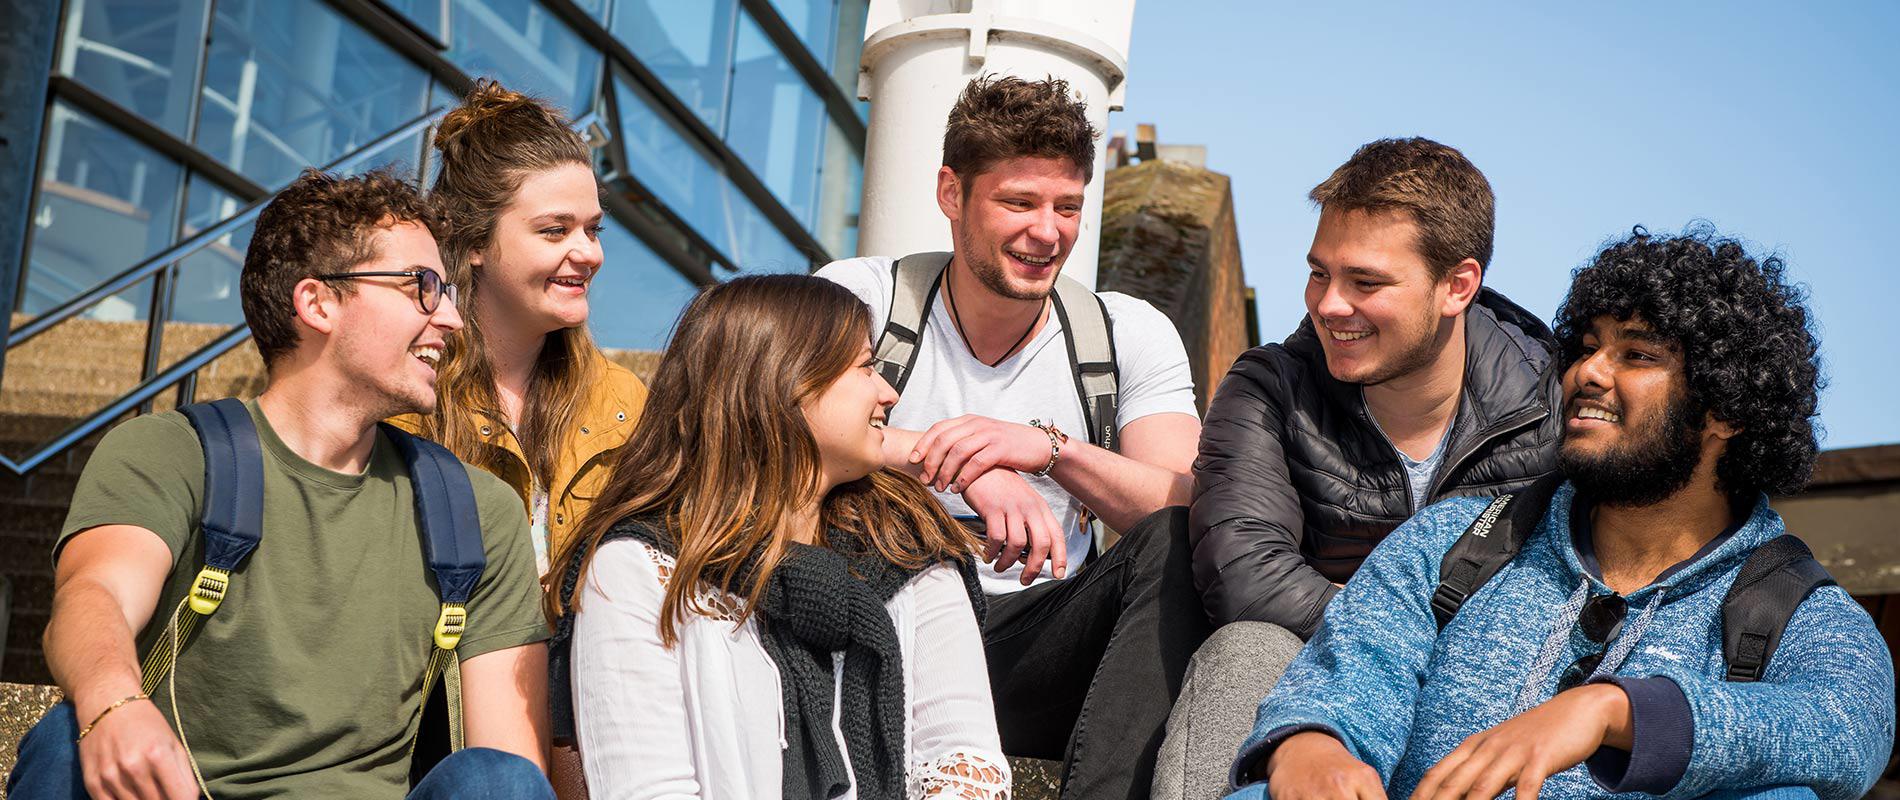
(184, 373)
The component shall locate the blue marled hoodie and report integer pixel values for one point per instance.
(1401, 695)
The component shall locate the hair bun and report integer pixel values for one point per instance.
(489, 101)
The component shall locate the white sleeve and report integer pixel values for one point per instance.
(1153, 364)
(955, 750)
(870, 279)
(629, 702)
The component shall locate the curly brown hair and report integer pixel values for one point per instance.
(1440, 189)
(998, 118)
(319, 224)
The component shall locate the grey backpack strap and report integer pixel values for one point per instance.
(1091, 359)
(915, 279)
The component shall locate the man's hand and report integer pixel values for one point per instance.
(132, 755)
(1523, 751)
(955, 452)
(1018, 519)
(1314, 765)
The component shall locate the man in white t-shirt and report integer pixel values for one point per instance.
(1085, 654)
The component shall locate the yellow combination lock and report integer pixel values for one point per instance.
(449, 626)
(208, 590)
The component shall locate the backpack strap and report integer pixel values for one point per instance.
(452, 544)
(1091, 359)
(1490, 542)
(561, 644)
(232, 523)
(1774, 582)
(915, 279)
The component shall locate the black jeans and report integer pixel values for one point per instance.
(1085, 669)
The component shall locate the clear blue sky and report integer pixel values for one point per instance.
(1778, 122)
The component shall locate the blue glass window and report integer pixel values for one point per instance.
(291, 83)
(142, 55)
(106, 203)
(525, 47)
(429, 15)
(207, 289)
(687, 44)
(781, 134)
(636, 297)
(598, 9)
(841, 196)
(689, 183)
(814, 21)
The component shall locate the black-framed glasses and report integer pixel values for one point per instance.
(1600, 620)
(430, 288)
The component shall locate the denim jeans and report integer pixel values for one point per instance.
(49, 768)
(1085, 669)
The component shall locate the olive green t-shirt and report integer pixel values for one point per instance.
(307, 680)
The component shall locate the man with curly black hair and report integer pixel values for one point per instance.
(1607, 646)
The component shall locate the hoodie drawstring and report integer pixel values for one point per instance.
(1529, 694)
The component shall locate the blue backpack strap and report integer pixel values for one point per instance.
(233, 519)
(452, 544)
(445, 510)
(232, 522)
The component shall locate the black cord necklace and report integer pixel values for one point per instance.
(950, 295)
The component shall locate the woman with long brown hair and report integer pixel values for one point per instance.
(754, 607)
(524, 393)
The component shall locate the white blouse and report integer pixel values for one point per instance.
(705, 719)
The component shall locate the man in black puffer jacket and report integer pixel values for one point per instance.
(1407, 383)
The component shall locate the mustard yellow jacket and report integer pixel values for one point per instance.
(604, 422)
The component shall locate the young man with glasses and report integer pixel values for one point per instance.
(1593, 660)
(307, 678)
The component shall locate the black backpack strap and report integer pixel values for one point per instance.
(1774, 582)
(1490, 542)
(452, 544)
(1091, 341)
(915, 279)
(561, 644)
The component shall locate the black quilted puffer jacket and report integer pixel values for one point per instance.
(1295, 484)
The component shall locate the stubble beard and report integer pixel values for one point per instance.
(1416, 356)
(982, 264)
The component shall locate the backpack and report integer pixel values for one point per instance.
(233, 523)
(1084, 327)
(1774, 581)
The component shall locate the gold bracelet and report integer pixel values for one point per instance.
(109, 709)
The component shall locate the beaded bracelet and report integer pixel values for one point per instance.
(109, 709)
(1056, 438)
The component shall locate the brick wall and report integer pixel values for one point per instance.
(1168, 237)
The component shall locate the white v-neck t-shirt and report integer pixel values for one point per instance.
(1035, 383)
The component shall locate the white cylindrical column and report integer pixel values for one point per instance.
(919, 54)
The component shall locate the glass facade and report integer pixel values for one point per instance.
(291, 83)
(712, 130)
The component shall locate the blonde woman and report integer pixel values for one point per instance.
(524, 392)
(755, 607)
